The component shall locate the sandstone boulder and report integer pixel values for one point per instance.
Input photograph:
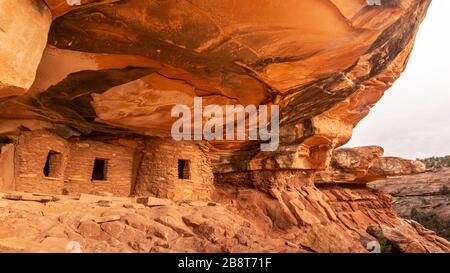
(394, 166)
(153, 201)
(365, 164)
(24, 27)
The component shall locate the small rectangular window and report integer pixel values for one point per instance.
(5, 140)
(99, 172)
(53, 165)
(184, 171)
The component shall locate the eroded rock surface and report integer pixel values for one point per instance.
(423, 197)
(364, 164)
(24, 26)
(305, 219)
(112, 71)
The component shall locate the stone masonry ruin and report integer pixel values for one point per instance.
(43, 162)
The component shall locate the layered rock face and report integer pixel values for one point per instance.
(113, 66)
(423, 197)
(24, 27)
(364, 164)
(112, 70)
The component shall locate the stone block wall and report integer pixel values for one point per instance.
(46, 163)
(158, 174)
(7, 166)
(32, 151)
(119, 166)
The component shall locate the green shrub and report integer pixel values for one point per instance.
(433, 222)
(385, 244)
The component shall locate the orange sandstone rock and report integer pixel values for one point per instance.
(24, 27)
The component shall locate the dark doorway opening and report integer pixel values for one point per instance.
(184, 171)
(53, 165)
(5, 140)
(99, 173)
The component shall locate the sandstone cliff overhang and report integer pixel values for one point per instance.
(117, 67)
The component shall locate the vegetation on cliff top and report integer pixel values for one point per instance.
(436, 162)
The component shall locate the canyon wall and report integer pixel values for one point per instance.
(86, 92)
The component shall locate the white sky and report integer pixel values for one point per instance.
(412, 120)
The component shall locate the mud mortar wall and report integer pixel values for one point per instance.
(158, 172)
(119, 161)
(32, 151)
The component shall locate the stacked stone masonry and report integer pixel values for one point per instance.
(79, 172)
(32, 152)
(159, 173)
(43, 162)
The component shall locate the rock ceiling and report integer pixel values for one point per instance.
(119, 66)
